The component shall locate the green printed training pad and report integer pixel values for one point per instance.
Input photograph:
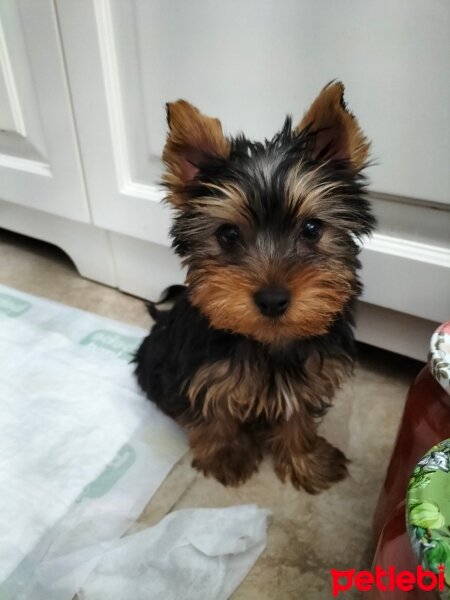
(81, 449)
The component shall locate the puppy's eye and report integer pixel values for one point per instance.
(227, 235)
(312, 230)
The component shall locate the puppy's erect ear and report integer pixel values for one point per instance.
(338, 134)
(192, 140)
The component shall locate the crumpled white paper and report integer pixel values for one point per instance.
(192, 554)
(81, 449)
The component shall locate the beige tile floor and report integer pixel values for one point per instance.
(308, 534)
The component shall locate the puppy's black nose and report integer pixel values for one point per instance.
(272, 301)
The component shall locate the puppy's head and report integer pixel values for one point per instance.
(268, 231)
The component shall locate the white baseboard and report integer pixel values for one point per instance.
(144, 269)
(407, 276)
(87, 245)
(394, 331)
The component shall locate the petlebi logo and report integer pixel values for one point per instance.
(123, 346)
(387, 580)
(12, 306)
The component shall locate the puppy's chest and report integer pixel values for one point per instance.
(246, 390)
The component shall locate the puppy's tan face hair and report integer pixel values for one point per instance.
(252, 218)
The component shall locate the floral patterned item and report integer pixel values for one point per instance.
(439, 358)
(428, 511)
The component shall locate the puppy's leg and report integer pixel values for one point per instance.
(308, 460)
(222, 449)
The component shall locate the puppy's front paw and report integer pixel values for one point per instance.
(314, 471)
(230, 466)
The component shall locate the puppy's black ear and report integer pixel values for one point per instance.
(338, 134)
(193, 138)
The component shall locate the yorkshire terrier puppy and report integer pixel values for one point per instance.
(248, 358)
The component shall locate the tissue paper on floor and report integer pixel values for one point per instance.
(192, 554)
(81, 449)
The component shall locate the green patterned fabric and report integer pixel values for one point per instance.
(428, 511)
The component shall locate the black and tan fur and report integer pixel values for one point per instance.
(261, 227)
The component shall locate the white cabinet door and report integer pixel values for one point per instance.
(39, 159)
(250, 63)
(105, 72)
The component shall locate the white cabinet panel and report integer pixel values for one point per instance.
(39, 160)
(104, 76)
(250, 63)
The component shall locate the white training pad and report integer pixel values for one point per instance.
(81, 449)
